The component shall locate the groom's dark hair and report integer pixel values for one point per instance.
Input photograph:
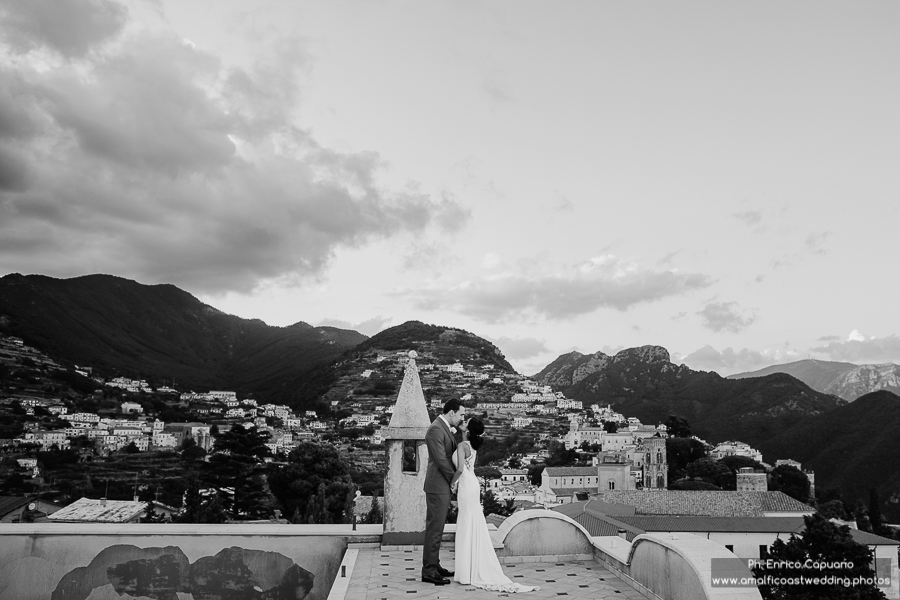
(453, 405)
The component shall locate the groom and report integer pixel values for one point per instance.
(441, 446)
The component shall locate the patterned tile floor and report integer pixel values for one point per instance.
(395, 574)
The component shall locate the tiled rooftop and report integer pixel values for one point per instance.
(571, 471)
(395, 574)
(703, 524)
(705, 503)
(100, 511)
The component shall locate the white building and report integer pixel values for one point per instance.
(83, 418)
(163, 439)
(222, 395)
(735, 449)
(566, 404)
(617, 442)
(131, 407)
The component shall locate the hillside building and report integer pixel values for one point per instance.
(752, 480)
(656, 473)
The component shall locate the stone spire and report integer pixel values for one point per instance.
(404, 491)
(410, 419)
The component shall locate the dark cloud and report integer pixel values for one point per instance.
(829, 338)
(70, 27)
(724, 316)
(13, 170)
(368, 327)
(871, 350)
(730, 361)
(155, 161)
(519, 348)
(559, 293)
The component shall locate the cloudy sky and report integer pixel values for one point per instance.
(718, 178)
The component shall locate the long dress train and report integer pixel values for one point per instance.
(476, 560)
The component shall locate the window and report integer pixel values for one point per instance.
(659, 481)
(410, 457)
(729, 547)
(612, 484)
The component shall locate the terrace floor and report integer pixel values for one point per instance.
(377, 574)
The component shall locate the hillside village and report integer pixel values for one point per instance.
(615, 452)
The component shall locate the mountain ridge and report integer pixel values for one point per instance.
(847, 380)
(127, 328)
(643, 382)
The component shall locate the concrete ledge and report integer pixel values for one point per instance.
(548, 558)
(250, 529)
(342, 579)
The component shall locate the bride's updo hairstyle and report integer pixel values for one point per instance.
(475, 429)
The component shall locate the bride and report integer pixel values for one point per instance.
(476, 561)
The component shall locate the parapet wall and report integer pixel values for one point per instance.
(104, 561)
(669, 566)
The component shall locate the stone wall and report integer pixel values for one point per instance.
(105, 562)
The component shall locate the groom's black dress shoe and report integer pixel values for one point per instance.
(435, 580)
(444, 572)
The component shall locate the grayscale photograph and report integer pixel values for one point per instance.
(446, 299)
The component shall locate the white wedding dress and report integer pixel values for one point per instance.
(476, 560)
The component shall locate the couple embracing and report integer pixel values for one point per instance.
(451, 469)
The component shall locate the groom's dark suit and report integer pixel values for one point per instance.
(441, 446)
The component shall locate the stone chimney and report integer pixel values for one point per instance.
(404, 493)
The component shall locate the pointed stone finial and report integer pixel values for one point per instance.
(410, 419)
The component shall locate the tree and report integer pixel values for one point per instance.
(488, 472)
(712, 471)
(374, 515)
(610, 426)
(790, 480)
(536, 474)
(349, 503)
(490, 505)
(193, 453)
(152, 516)
(559, 456)
(678, 427)
(311, 468)
(197, 508)
(131, 448)
(823, 543)
(875, 512)
(736, 463)
(237, 463)
(515, 462)
(833, 509)
(680, 452)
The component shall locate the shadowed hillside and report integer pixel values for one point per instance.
(160, 332)
(852, 448)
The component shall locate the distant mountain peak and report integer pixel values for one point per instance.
(842, 379)
(645, 353)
